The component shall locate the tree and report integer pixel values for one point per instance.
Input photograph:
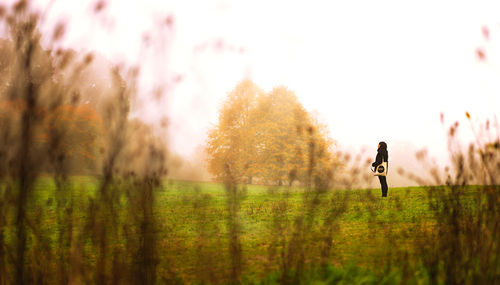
(281, 117)
(68, 129)
(231, 143)
(72, 135)
(269, 137)
(68, 134)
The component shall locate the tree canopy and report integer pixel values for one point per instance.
(268, 138)
(79, 99)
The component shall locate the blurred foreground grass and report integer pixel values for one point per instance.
(193, 230)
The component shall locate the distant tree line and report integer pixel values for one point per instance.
(75, 103)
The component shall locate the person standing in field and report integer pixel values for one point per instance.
(382, 156)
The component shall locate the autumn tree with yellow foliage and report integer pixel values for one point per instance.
(231, 144)
(268, 138)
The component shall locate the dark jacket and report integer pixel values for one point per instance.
(381, 152)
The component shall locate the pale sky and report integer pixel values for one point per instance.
(372, 70)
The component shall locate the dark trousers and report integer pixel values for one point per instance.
(383, 184)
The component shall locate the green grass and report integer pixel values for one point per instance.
(192, 219)
(362, 230)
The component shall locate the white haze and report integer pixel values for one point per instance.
(372, 70)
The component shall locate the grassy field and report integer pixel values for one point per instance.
(356, 234)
